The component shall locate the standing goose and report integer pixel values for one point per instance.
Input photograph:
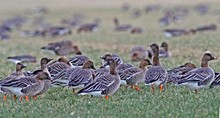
(133, 75)
(43, 67)
(80, 77)
(27, 86)
(105, 85)
(17, 75)
(175, 74)
(156, 74)
(201, 77)
(138, 53)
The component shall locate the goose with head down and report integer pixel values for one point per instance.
(175, 74)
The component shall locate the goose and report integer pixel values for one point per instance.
(80, 77)
(119, 27)
(26, 86)
(175, 74)
(89, 27)
(138, 53)
(156, 74)
(78, 60)
(62, 48)
(22, 59)
(201, 77)
(43, 67)
(17, 75)
(115, 57)
(105, 85)
(133, 76)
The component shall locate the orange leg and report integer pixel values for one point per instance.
(35, 97)
(15, 97)
(27, 98)
(106, 97)
(161, 88)
(5, 97)
(137, 88)
(20, 98)
(132, 86)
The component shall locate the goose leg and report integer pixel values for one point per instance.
(106, 97)
(15, 97)
(35, 97)
(27, 98)
(137, 88)
(20, 98)
(161, 87)
(132, 86)
(196, 91)
(152, 88)
(4, 97)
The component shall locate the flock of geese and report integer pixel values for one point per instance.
(80, 75)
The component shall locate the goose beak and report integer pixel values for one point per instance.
(102, 57)
(214, 58)
(93, 67)
(50, 59)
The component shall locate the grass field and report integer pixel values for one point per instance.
(59, 102)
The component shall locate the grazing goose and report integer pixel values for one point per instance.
(78, 60)
(138, 53)
(17, 75)
(216, 82)
(115, 57)
(156, 74)
(119, 27)
(22, 59)
(62, 48)
(105, 85)
(80, 77)
(175, 74)
(201, 77)
(89, 27)
(136, 30)
(133, 75)
(211, 27)
(174, 32)
(26, 86)
(58, 66)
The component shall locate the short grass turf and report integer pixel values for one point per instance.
(175, 102)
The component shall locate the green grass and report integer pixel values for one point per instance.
(56, 103)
